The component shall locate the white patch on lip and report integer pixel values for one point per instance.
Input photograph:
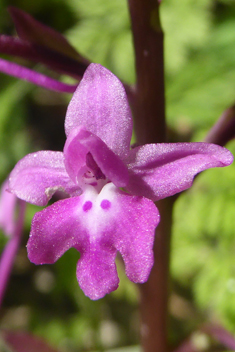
(95, 219)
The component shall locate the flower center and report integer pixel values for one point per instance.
(91, 175)
(91, 164)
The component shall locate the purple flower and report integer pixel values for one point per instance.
(99, 218)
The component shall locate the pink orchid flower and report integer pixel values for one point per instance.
(99, 218)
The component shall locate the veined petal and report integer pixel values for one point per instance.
(37, 176)
(162, 170)
(79, 143)
(100, 105)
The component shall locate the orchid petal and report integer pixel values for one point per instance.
(79, 143)
(134, 234)
(100, 105)
(54, 230)
(96, 271)
(162, 170)
(38, 176)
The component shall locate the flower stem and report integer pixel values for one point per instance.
(9, 253)
(149, 105)
(224, 129)
(150, 127)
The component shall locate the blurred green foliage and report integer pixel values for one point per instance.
(203, 243)
(200, 85)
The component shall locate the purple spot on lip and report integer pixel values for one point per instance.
(105, 204)
(87, 206)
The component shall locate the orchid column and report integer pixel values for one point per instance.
(150, 127)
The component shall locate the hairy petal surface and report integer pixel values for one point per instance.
(100, 105)
(37, 176)
(162, 170)
(79, 143)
